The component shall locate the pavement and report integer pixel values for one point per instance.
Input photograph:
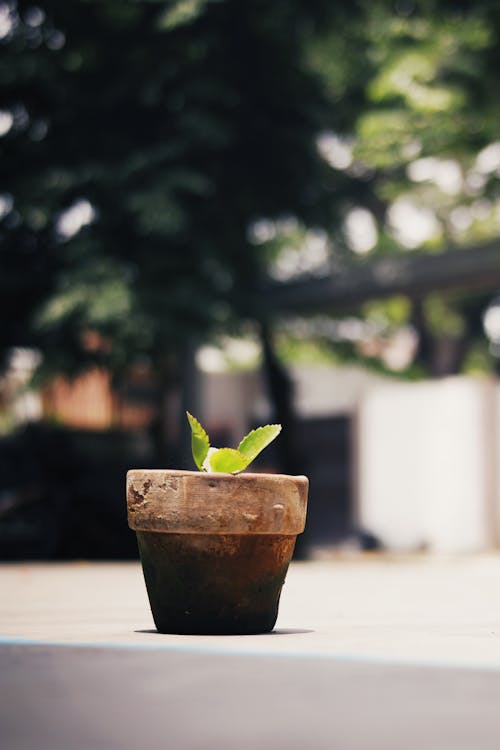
(368, 652)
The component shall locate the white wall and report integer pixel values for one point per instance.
(496, 462)
(323, 390)
(426, 464)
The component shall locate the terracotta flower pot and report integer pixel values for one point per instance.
(215, 548)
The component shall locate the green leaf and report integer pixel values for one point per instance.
(257, 440)
(227, 460)
(200, 442)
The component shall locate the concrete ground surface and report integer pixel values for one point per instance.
(368, 653)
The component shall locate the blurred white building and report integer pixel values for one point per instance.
(428, 474)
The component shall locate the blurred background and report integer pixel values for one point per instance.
(266, 211)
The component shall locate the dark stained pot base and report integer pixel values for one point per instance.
(214, 583)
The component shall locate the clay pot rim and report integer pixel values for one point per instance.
(177, 501)
(245, 475)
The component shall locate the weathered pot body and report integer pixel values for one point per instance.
(215, 548)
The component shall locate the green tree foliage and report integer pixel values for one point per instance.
(417, 160)
(158, 158)
(146, 138)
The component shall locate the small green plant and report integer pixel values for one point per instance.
(229, 460)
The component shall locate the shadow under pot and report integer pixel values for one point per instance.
(215, 548)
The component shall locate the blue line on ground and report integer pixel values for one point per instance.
(214, 650)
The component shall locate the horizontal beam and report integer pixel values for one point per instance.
(413, 274)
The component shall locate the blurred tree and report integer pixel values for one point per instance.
(417, 161)
(158, 158)
(140, 142)
(426, 135)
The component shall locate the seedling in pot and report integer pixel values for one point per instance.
(229, 460)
